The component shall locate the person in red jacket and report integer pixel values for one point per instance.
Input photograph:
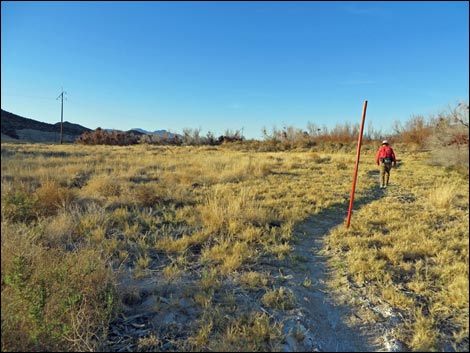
(384, 158)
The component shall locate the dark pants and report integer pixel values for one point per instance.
(385, 173)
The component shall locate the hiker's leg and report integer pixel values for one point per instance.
(382, 174)
(388, 167)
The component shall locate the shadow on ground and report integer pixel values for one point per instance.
(338, 212)
(325, 324)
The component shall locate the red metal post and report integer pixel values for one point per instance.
(359, 143)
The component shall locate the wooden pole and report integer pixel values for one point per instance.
(359, 143)
(61, 95)
(61, 115)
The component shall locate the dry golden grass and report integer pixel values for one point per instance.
(443, 195)
(411, 248)
(212, 213)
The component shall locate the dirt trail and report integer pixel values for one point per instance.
(328, 325)
(158, 309)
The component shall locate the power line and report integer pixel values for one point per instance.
(25, 96)
(61, 95)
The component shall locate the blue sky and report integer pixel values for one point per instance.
(220, 66)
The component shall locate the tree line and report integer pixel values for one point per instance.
(445, 134)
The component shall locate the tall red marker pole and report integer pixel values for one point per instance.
(359, 143)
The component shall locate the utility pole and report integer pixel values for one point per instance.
(61, 95)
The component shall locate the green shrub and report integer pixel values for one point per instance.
(19, 206)
(52, 300)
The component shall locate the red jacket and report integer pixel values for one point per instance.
(384, 152)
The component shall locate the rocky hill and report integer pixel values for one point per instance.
(15, 127)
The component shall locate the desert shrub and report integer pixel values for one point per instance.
(60, 231)
(449, 141)
(193, 137)
(165, 139)
(344, 133)
(288, 138)
(52, 300)
(416, 130)
(51, 197)
(229, 137)
(19, 206)
(146, 195)
(102, 137)
(104, 186)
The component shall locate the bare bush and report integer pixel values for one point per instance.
(449, 141)
(416, 130)
(102, 137)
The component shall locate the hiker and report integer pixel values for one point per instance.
(384, 158)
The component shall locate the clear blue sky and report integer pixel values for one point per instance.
(233, 65)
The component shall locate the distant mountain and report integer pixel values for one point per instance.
(18, 128)
(128, 131)
(30, 130)
(156, 132)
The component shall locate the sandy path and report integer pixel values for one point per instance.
(330, 327)
(156, 308)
